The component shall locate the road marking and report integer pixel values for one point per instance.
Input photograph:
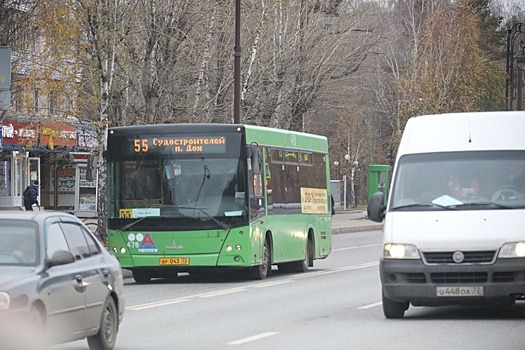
(252, 338)
(222, 292)
(270, 284)
(156, 304)
(357, 247)
(340, 269)
(165, 302)
(369, 306)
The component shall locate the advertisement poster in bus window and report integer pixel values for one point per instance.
(314, 201)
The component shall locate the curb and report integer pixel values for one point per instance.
(126, 273)
(352, 229)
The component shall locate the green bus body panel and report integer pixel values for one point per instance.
(207, 248)
(284, 138)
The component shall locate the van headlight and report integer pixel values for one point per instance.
(400, 251)
(512, 250)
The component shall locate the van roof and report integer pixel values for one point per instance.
(464, 132)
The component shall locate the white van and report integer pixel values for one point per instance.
(454, 230)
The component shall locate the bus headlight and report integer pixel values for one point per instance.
(400, 251)
(229, 248)
(238, 247)
(512, 250)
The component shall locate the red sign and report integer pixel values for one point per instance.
(51, 134)
(58, 134)
(19, 133)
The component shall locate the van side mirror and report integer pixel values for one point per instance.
(376, 208)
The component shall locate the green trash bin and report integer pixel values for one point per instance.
(378, 179)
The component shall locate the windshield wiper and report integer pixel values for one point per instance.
(133, 223)
(421, 205)
(215, 220)
(497, 205)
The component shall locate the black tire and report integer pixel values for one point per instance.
(302, 265)
(394, 309)
(141, 277)
(107, 334)
(262, 271)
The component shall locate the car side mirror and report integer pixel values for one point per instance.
(61, 257)
(376, 208)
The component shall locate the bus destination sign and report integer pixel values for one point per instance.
(196, 144)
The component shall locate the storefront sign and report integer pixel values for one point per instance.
(19, 133)
(50, 134)
(58, 135)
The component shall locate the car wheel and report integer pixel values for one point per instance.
(33, 336)
(141, 277)
(107, 333)
(394, 309)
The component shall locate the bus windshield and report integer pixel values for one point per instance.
(179, 188)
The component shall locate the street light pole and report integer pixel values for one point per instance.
(237, 66)
(520, 62)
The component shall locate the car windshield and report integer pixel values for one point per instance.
(18, 243)
(460, 181)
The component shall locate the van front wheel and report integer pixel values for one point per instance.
(394, 309)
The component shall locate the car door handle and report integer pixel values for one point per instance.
(79, 279)
(105, 273)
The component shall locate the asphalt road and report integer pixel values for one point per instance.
(335, 305)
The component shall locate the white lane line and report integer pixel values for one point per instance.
(270, 284)
(165, 302)
(157, 304)
(222, 292)
(252, 338)
(340, 269)
(357, 247)
(369, 306)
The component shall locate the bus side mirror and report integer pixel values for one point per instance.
(255, 159)
(376, 208)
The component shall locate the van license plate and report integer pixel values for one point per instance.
(474, 291)
(174, 261)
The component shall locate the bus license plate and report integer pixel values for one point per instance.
(473, 291)
(174, 261)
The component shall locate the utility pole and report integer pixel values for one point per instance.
(237, 66)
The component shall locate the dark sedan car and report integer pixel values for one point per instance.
(57, 283)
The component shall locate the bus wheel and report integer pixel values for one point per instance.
(302, 265)
(141, 276)
(262, 271)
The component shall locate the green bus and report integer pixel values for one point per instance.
(194, 197)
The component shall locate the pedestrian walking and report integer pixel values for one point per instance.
(30, 196)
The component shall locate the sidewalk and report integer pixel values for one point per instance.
(353, 221)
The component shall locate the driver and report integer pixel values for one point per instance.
(516, 175)
(24, 251)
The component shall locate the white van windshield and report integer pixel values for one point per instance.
(460, 180)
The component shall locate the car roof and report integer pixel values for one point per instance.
(33, 215)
